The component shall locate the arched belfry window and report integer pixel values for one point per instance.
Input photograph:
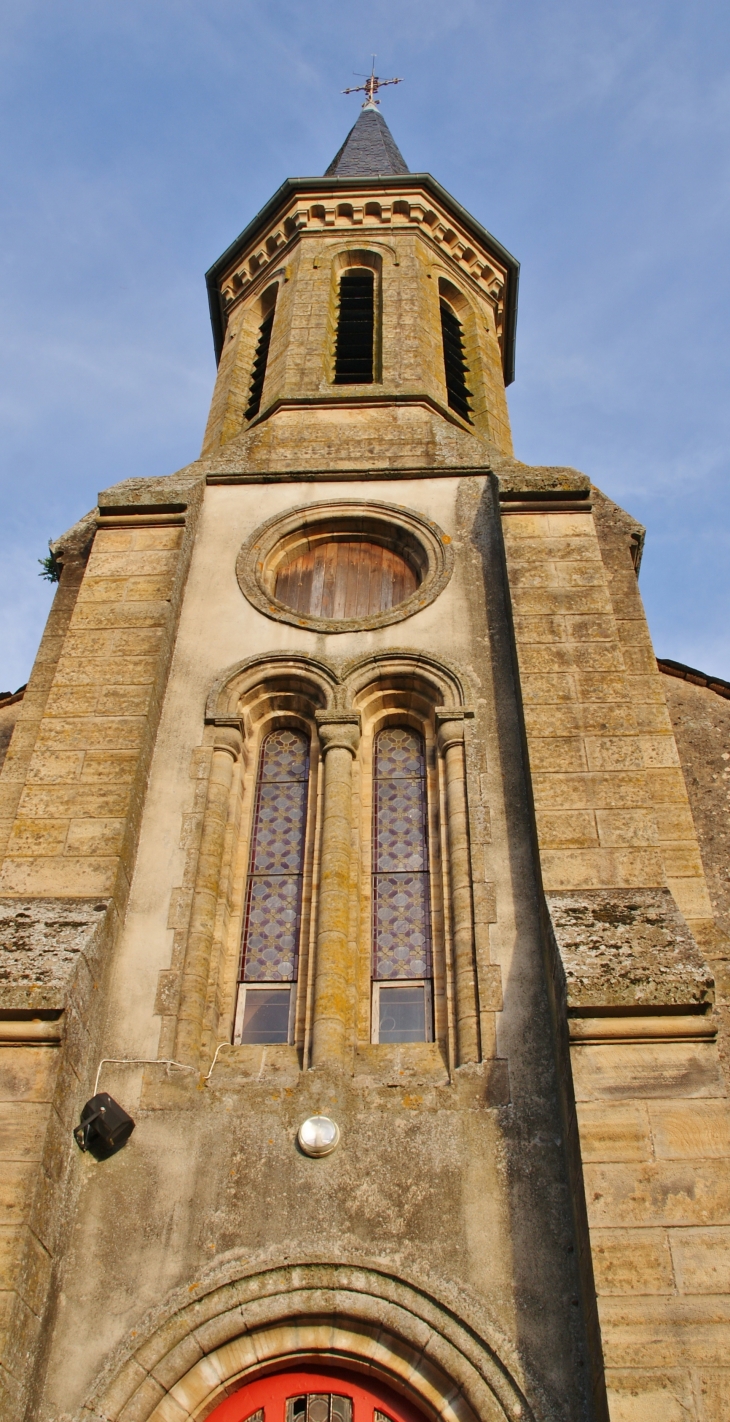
(402, 959)
(273, 902)
(258, 374)
(455, 367)
(355, 343)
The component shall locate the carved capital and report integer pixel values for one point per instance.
(450, 726)
(338, 729)
(228, 738)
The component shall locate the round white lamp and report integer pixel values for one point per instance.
(318, 1135)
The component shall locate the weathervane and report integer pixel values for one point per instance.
(371, 86)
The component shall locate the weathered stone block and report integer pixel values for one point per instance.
(626, 827)
(27, 1073)
(691, 896)
(674, 822)
(658, 1193)
(566, 719)
(642, 1070)
(147, 589)
(17, 1178)
(132, 564)
(694, 1130)
(614, 1131)
(108, 766)
(607, 790)
(682, 861)
(715, 1393)
(628, 948)
(37, 802)
(144, 618)
(557, 753)
(665, 1395)
(566, 829)
(95, 836)
(600, 868)
(701, 1259)
(663, 1333)
(630, 1261)
(37, 837)
(548, 689)
(53, 767)
(22, 1130)
(613, 753)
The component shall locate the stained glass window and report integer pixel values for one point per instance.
(401, 916)
(274, 891)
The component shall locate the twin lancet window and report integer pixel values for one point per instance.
(355, 344)
(401, 911)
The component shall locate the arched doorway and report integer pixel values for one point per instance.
(315, 1395)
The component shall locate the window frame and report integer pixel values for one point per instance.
(243, 990)
(426, 984)
(437, 987)
(300, 985)
(351, 259)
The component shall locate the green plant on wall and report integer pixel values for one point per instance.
(50, 566)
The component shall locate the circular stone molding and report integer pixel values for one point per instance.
(419, 541)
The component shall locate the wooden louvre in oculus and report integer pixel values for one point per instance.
(345, 578)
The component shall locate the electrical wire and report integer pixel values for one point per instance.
(142, 1061)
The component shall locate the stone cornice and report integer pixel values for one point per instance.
(294, 211)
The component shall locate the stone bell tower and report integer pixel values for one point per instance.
(346, 852)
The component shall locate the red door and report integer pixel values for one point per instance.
(312, 1394)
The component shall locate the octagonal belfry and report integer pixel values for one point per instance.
(345, 848)
(421, 251)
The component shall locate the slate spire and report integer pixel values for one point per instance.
(369, 151)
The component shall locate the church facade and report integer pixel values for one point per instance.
(346, 847)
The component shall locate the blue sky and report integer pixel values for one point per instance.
(591, 138)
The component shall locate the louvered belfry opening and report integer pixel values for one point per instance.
(259, 365)
(454, 363)
(355, 328)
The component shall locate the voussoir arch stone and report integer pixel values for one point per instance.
(244, 676)
(192, 1356)
(443, 682)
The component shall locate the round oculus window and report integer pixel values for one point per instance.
(343, 577)
(339, 567)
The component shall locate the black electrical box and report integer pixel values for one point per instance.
(105, 1125)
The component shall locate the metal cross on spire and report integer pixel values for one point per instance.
(371, 86)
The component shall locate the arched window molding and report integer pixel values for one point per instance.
(273, 919)
(472, 323)
(387, 702)
(259, 366)
(231, 403)
(402, 931)
(342, 713)
(271, 712)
